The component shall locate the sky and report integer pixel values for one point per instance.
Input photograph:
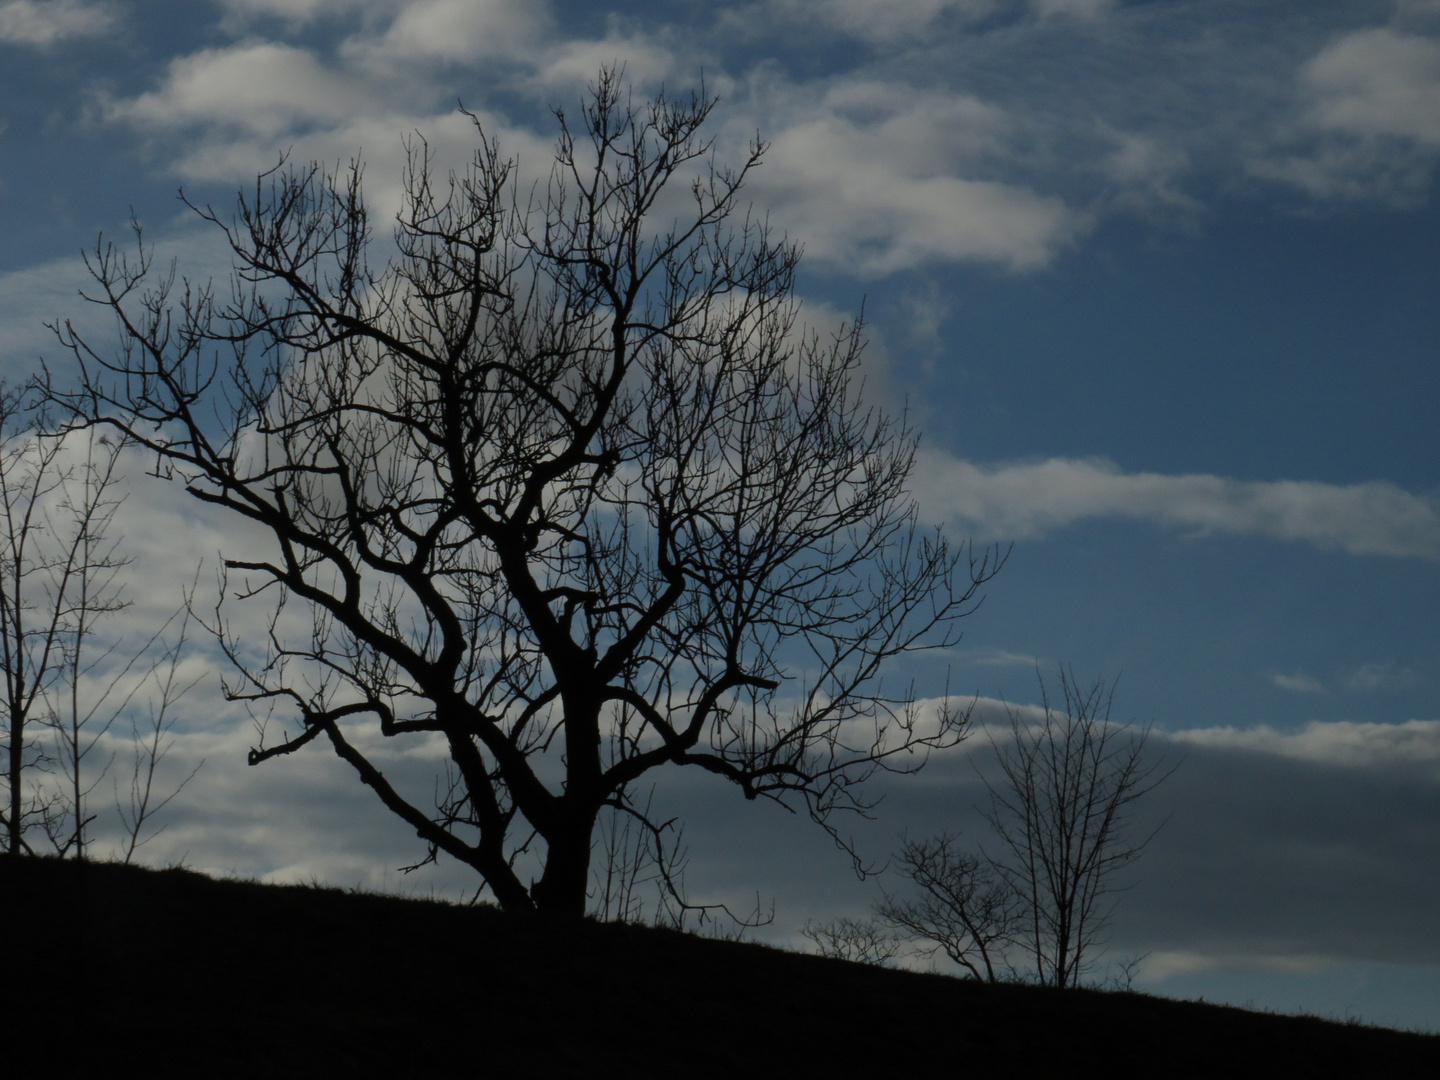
(1158, 282)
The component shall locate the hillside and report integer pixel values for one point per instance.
(181, 974)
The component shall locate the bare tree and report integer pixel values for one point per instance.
(1062, 809)
(565, 489)
(92, 690)
(33, 580)
(637, 851)
(57, 580)
(66, 682)
(964, 906)
(152, 741)
(861, 941)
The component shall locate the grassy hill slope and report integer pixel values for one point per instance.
(181, 974)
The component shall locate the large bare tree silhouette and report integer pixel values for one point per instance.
(565, 488)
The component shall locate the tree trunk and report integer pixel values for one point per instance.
(564, 886)
(17, 751)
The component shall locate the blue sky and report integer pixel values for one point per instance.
(1158, 280)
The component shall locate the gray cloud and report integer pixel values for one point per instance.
(47, 22)
(1321, 845)
(1381, 675)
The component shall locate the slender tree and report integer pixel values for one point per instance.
(58, 568)
(66, 681)
(32, 616)
(565, 487)
(1062, 808)
(167, 682)
(92, 685)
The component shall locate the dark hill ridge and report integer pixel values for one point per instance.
(183, 975)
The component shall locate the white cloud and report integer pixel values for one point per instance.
(876, 178)
(1342, 743)
(1351, 172)
(571, 66)
(1298, 683)
(300, 10)
(1378, 82)
(1370, 106)
(872, 176)
(1026, 499)
(260, 88)
(458, 31)
(228, 113)
(45, 22)
(997, 658)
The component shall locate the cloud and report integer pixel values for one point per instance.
(880, 23)
(1377, 82)
(1370, 107)
(46, 22)
(227, 113)
(1027, 499)
(457, 31)
(28, 299)
(1414, 744)
(50, 292)
(300, 10)
(1381, 676)
(1077, 9)
(1276, 848)
(1298, 683)
(1166, 964)
(570, 67)
(996, 658)
(872, 176)
(876, 177)
(259, 88)
(1316, 845)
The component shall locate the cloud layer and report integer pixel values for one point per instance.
(1125, 113)
(1029, 499)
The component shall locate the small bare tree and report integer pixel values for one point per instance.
(861, 941)
(964, 907)
(1062, 809)
(565, 487)
(151, 741)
